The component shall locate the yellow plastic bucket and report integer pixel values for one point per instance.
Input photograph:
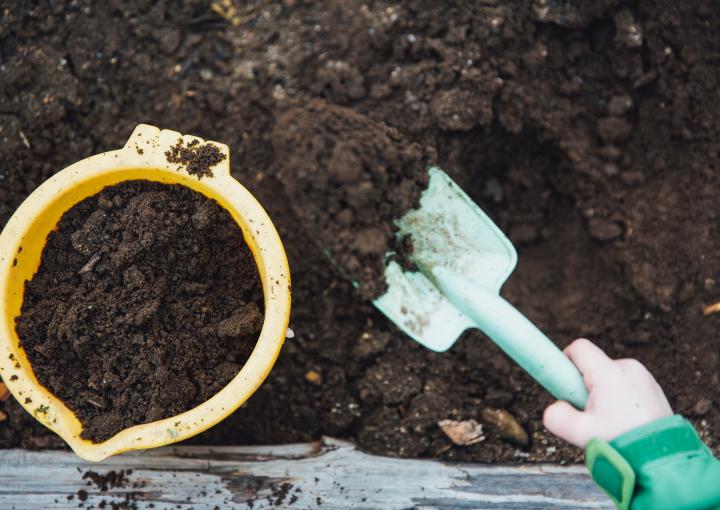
(21, 245)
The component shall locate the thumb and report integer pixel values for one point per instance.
(566, 422)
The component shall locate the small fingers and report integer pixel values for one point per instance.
(589, 359)
(566, 422)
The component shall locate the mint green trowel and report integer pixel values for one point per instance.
(463, 259)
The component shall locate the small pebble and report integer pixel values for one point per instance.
(506, 426)
(613, 129)
(4, 393)
(604, 230)
(493, 189)
(169, 40)
(702, 406)
(618, 105)
(370, 344)
(370, 240)
(633, 178)
(610, 152)
(313, 377)
(627, 30)
(611, 169)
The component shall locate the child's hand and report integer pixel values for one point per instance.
(623, 396)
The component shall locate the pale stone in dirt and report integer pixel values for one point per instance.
(462, 433)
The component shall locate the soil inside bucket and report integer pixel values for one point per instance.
(146, 303)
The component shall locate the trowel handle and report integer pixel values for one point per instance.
(517, 336)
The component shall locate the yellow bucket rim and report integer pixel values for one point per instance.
(23, 239)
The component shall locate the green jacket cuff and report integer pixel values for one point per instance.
(661, 465)
(659, 439)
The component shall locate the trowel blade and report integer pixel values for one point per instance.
(448, 230)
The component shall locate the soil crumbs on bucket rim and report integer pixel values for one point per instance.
(146, 303)
(197, 158)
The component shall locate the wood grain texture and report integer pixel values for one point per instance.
(327, 474)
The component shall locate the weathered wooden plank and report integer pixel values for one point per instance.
(327, 474)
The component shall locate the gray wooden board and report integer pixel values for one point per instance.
(327, 474)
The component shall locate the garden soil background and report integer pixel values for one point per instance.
(589, 131)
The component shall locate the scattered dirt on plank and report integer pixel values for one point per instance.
(105, 483)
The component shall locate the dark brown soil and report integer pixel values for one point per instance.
(589, 131)
(349, 177)
(146, 303)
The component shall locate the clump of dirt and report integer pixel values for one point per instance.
(350, 178)
(108, 481)
(198, 159)
(146, 303)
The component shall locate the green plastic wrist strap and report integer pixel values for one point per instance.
(611, 472)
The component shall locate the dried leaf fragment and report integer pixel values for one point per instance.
(462, 433)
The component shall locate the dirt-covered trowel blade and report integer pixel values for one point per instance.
(448, 231)
(416, 306)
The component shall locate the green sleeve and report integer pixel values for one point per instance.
(663, 465)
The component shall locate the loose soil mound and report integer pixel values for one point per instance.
(146, 303)
(589, 131)
(350, 178)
